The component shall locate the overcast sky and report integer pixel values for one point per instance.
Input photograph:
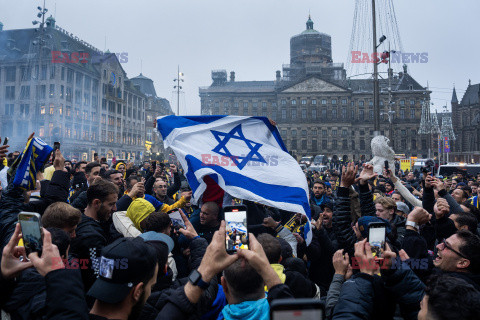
(251, 37)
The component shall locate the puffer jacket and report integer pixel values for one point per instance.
(158, 299)
(80, 201)
(367, 206)
(342, 220)
(375, 297)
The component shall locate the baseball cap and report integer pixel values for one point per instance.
(328, 205)
(162, 243)
(122, 265)
(403, 207)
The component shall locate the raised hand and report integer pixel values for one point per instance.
(348, 175)
(340, 262)
(441, 208)
(419, 216)
(364, 257)
(50, 259)
(216, 258)
(366, 174)
(189, 231)
(11, 263)
(269, 222)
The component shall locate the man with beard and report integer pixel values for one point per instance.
(319, 192)
(91, 235)
(128, 271)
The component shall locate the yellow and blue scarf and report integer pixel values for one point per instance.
(31, 160)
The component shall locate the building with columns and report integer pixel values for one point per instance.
(318, 109)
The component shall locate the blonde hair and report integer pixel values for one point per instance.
(387, 203)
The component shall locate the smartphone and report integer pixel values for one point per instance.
(300, 309)
(154, 165)
(5, 141)
(31, 231)
(177, 221)
(56, 146)
(376, 238)
(386, 166)
(236, 233)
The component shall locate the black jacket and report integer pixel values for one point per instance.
(342, 220)
(12, 200)
(27, 301)
(374, 297)
(67, 284)
(87, 245)
(320, 253)
(80, 202)
(159, 297)
(367, 206)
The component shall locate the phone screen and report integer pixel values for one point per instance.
(177, 220)
(31, 234)
(301, 314)
(236, 235)
(376, 238)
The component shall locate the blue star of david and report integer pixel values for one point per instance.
(236, 133)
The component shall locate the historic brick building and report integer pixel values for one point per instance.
(317, 108)
(466, 125)
(66, 90)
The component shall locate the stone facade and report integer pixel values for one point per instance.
(466, 125)
(88, 104)
(319, 110)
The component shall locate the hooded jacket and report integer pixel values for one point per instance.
(87, 246)
(257, 309)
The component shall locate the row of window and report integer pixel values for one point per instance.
(110, 136)
(340, 132)
(345, 145)
(36, 72)
(293, 102)
(41, 94)
(324, 114)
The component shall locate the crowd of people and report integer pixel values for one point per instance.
(110, 250)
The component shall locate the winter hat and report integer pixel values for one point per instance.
(363, 223)
(139, 210)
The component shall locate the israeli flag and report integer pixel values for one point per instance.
(245, 155)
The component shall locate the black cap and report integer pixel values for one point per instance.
(123, 264)
(328, 205)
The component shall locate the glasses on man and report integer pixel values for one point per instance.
(446, 245)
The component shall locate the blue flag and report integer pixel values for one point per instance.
(29, 162)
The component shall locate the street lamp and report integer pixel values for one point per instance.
(178, 87)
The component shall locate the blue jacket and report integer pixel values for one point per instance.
(257, 309)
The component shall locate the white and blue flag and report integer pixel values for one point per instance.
(244, 155)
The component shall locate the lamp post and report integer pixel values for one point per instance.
(178, 79)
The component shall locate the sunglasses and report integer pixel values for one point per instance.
(446, 245)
